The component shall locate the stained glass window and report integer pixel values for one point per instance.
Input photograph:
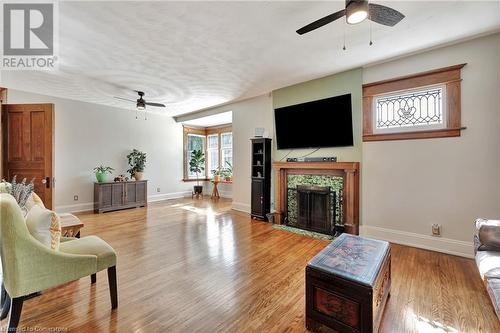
(412, 110)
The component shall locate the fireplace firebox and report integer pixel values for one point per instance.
(347, 200)
(315, 208)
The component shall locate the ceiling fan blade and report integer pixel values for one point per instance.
(156, 104)
(384, 15)
(126, 99)
(321, 22)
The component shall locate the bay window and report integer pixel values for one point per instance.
(217, 145)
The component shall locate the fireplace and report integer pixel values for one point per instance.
(315, 208)
(341, 177)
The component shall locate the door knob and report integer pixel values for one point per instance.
(46, 181)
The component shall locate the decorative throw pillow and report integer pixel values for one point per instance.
(44, 226)
(20, 191)
(33, 200)
(37, 200)
(5, 187)
(488, 234)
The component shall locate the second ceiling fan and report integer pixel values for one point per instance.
(357, 11)
(141, 102)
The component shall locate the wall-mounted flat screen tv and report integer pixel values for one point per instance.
(322, 123)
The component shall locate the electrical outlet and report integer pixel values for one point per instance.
(158, 190)
(75, 198)
(436, 230)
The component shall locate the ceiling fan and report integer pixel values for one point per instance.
(356, 11)
(141, 102)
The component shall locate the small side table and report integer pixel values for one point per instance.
(70, 225)
(215, 191)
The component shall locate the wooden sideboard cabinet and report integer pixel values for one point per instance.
(111, 196)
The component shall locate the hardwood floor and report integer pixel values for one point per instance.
(194, 266)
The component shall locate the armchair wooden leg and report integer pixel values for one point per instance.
(3, 293)
(15, 314)
(93, 278)
(112, 287)
(5, 307)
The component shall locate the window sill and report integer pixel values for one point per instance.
(430, 134)
(194, 180)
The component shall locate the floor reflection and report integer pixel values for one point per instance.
(425, 325)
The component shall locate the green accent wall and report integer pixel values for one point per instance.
(349, 82)
(329, 86)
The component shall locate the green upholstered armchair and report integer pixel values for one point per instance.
(28, 266)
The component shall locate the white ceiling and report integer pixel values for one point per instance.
(212, 120)
(193, 55)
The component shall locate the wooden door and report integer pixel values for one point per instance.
(28, 146)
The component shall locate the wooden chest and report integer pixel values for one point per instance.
(347, 285)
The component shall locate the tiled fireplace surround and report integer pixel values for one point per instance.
(342, 177)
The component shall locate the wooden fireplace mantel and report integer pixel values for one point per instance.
(348, 170)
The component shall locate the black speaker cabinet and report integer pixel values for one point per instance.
(261, 178)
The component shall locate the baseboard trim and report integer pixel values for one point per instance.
(82, 207)
(438, 244)
(226, 194)
(168, 196)
(241, 207)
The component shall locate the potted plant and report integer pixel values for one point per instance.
(101, 173)
(197, 165)
(217, 174)
(228, 172)
(137, 163)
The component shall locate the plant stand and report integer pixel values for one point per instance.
(215, 191)
(197, 195)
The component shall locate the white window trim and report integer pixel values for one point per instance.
(218, 150)
(188, 154)
(222, 148)
(414, 128)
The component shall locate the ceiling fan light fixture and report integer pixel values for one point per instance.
(356, 12)
(141, 105)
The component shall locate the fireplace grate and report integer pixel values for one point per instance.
(312, 208)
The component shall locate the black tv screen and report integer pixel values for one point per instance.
(322, 123)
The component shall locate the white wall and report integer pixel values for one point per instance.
(87, 135)
(247, 114)
(408, 185)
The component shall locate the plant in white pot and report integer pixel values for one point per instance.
(137, 164)
(197, 165)
(217, 174)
